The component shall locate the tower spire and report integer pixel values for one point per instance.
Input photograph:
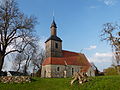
(53, 15)
(53, 22)
(53, 43)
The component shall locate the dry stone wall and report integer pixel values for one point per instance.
(15, 79)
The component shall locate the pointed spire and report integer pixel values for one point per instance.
(53, 23)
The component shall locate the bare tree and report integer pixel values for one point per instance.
(16, 29)
(23, 59)
(111, 33)
(38, 60)
(18, 61)
(30, 58)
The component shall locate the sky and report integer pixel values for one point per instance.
(79, 24)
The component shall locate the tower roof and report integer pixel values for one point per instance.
(53, 38)
(53, 24)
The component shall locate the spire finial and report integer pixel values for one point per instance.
(53, 23)
(53, 15)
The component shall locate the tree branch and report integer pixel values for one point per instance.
(12, 51)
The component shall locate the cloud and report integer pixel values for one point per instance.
(9, 48)
(109, 2)
(102, 60)
(103, 54)
(102, 57)
(91, 47)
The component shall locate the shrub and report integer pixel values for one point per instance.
(111, 71)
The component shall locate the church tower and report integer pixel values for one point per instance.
(53, 43)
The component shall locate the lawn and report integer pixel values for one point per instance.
(97, 83)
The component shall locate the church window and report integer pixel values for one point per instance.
(58, 68)
(56, 45)
(72, 71)
(44, 73)
(90, 73)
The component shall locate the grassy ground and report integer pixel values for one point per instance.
(98, 83)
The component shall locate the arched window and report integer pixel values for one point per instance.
(90, 73)
(58, 68)
(44, 73)
(72, 71)
(56, 45)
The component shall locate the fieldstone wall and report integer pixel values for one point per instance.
(90, 72)
(15, 79)
(50, 71)
(51, 50)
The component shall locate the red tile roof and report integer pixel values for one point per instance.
(69, 58)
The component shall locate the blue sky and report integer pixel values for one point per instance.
(79, 24)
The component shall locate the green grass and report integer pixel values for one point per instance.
(97, 83)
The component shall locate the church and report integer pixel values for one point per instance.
(61, 63)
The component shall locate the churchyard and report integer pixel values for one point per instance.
(97, 83)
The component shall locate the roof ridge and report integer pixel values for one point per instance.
(72, 52)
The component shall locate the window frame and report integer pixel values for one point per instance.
(56, 45)
(58, 69)
(72, 71)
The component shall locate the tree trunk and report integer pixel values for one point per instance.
(1, 61)
(18, 67)
(25, 70)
